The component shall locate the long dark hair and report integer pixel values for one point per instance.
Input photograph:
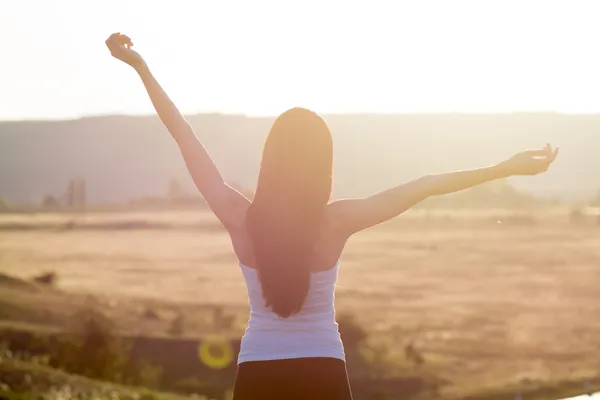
(286, 214)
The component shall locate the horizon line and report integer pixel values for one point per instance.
(67, 118)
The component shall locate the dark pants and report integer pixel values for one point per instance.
(292, 379)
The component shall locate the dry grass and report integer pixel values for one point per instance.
(487, 304)
(27, 381)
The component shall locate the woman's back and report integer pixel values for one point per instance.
(312, 332)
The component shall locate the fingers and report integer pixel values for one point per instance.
(537, 153)
(112, 37)
(539, 160)
(112, 41)
(555, 154)
(546, 152)
(127, 39)
(551, 157)
(118, 39)
(551, 153)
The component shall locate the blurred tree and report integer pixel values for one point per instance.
(76, 192)
(49, 202)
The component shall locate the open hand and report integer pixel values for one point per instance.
(120, 48)
(531, 162)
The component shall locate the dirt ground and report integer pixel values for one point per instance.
(488, 301)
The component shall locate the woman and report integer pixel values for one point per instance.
(289, 238)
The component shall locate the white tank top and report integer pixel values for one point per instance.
(312, 332)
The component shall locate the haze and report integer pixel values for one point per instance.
(261, 57)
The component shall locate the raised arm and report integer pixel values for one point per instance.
(353, 215)
(227, 203)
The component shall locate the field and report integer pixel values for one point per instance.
(488, 300)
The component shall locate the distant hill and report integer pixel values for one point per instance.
(123, 157)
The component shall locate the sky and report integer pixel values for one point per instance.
(261, 57)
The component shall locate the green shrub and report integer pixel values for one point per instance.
(91, 348)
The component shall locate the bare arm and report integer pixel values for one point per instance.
(227, 203)
(223, 200)
(353, 215)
